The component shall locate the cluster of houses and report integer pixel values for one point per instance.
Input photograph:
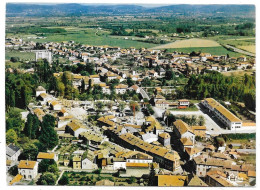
(133, 144)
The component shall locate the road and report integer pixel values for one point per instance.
(239, 50)
(144, 94)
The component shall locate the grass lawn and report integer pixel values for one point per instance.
(248, 158)
(193, 108)
(22, 55)
(13, 64)
(238, 73)
(219, 50)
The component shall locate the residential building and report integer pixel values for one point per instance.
(47, 155)
(170, 180)
(164, 139)
(12, 152)
(28, 169)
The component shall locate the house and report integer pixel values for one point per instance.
(95, 79)
(136, 169)
(199, 130)
(9, 164)
(214, 67)
(47, 155)
(241, 59)
(54, 105)
(170, 180)
(119, 163)
(158, 97)
(192, 152)
(164, 139)
(76, 162)
(75, 128)
(215, 180)
(196, 182)
(162, 72)
(120, 89)
(39, 90)
(183, 103)
(28, 169)
(87, 164)
(39, 113)
(105, 88)
(163, 104)
(184, 131)
(158, 90)
(135, 88)
(12, 152)
(149, 137)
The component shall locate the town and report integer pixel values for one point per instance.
(79, 114)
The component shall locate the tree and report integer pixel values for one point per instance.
(11, 136)
(47, 179)
(169, 75)
(129, 81)
(121, 106)
(14, 59)
(30, 151)
(13, 170)
(47, 165)
(28, 126)
(151, 176)
(48, 137)
(64, 180)
(99, 105)
(201, 120)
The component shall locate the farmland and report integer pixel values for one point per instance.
(189, 43)
(213, 50)
(250, 48)
(88, 36)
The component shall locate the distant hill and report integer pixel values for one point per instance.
(15, 9)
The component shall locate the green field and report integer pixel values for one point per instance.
(92, 37)
(22, 55)
(13, 64)
(85, 178)
(213, 50)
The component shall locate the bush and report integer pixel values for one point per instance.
(64, 180)
(13, 170)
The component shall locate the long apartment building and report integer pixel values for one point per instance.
(223, 114)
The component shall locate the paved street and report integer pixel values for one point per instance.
(240, 50)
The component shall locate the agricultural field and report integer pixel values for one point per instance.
(194, 42)
(89, 36)
(213, 50)
(250, 48)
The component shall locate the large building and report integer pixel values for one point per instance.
(43, 55)
(224, 115)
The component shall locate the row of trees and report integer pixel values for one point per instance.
(221, 87)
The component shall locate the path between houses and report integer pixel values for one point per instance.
(59, 177)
